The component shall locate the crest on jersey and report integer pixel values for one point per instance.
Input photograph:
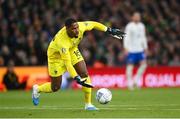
(86, 24)
(63, 50)
(55, 71)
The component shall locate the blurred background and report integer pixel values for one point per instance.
(27, 27)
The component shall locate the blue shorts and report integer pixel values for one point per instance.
(134, 58)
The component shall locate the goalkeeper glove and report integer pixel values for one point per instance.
(116, 33)
(82, 82)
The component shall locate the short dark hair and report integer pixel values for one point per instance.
(69, 22)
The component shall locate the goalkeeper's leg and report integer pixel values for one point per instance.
(52, 86)
(48, 87)
(82, 71)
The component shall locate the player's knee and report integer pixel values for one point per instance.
(55, 88)
(83, 74)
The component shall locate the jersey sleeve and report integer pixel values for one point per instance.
(126, 39)
(144, 38)
(89, 25)
(65, 56)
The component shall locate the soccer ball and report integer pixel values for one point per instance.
(103, 96)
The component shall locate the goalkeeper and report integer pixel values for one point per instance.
(63, 55)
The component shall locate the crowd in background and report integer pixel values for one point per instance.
(27, 27)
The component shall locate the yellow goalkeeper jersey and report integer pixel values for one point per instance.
(62, 44)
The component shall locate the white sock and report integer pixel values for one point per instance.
(88, 104)
(140, 72)
(129, 72)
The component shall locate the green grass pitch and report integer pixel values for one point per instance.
(145, 103)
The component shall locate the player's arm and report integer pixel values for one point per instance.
(65, 56)
(126, 40)
(144, 42)
(89, 25)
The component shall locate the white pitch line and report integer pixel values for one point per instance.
(93, 118)
(41, 108)
(51, 108)
(74, 108)
(161, 105)
(172, 109)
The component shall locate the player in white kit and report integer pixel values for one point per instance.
(135, 45)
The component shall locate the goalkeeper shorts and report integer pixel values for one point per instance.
(56, 66)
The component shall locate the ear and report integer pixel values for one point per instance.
(67, 28)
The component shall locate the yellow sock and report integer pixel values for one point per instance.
(87, 92)
(46, 88)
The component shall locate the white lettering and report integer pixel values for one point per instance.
(150, 80)
(108, 81)
(178, 80)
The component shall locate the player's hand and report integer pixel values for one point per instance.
(82, 82)
(116, 33)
